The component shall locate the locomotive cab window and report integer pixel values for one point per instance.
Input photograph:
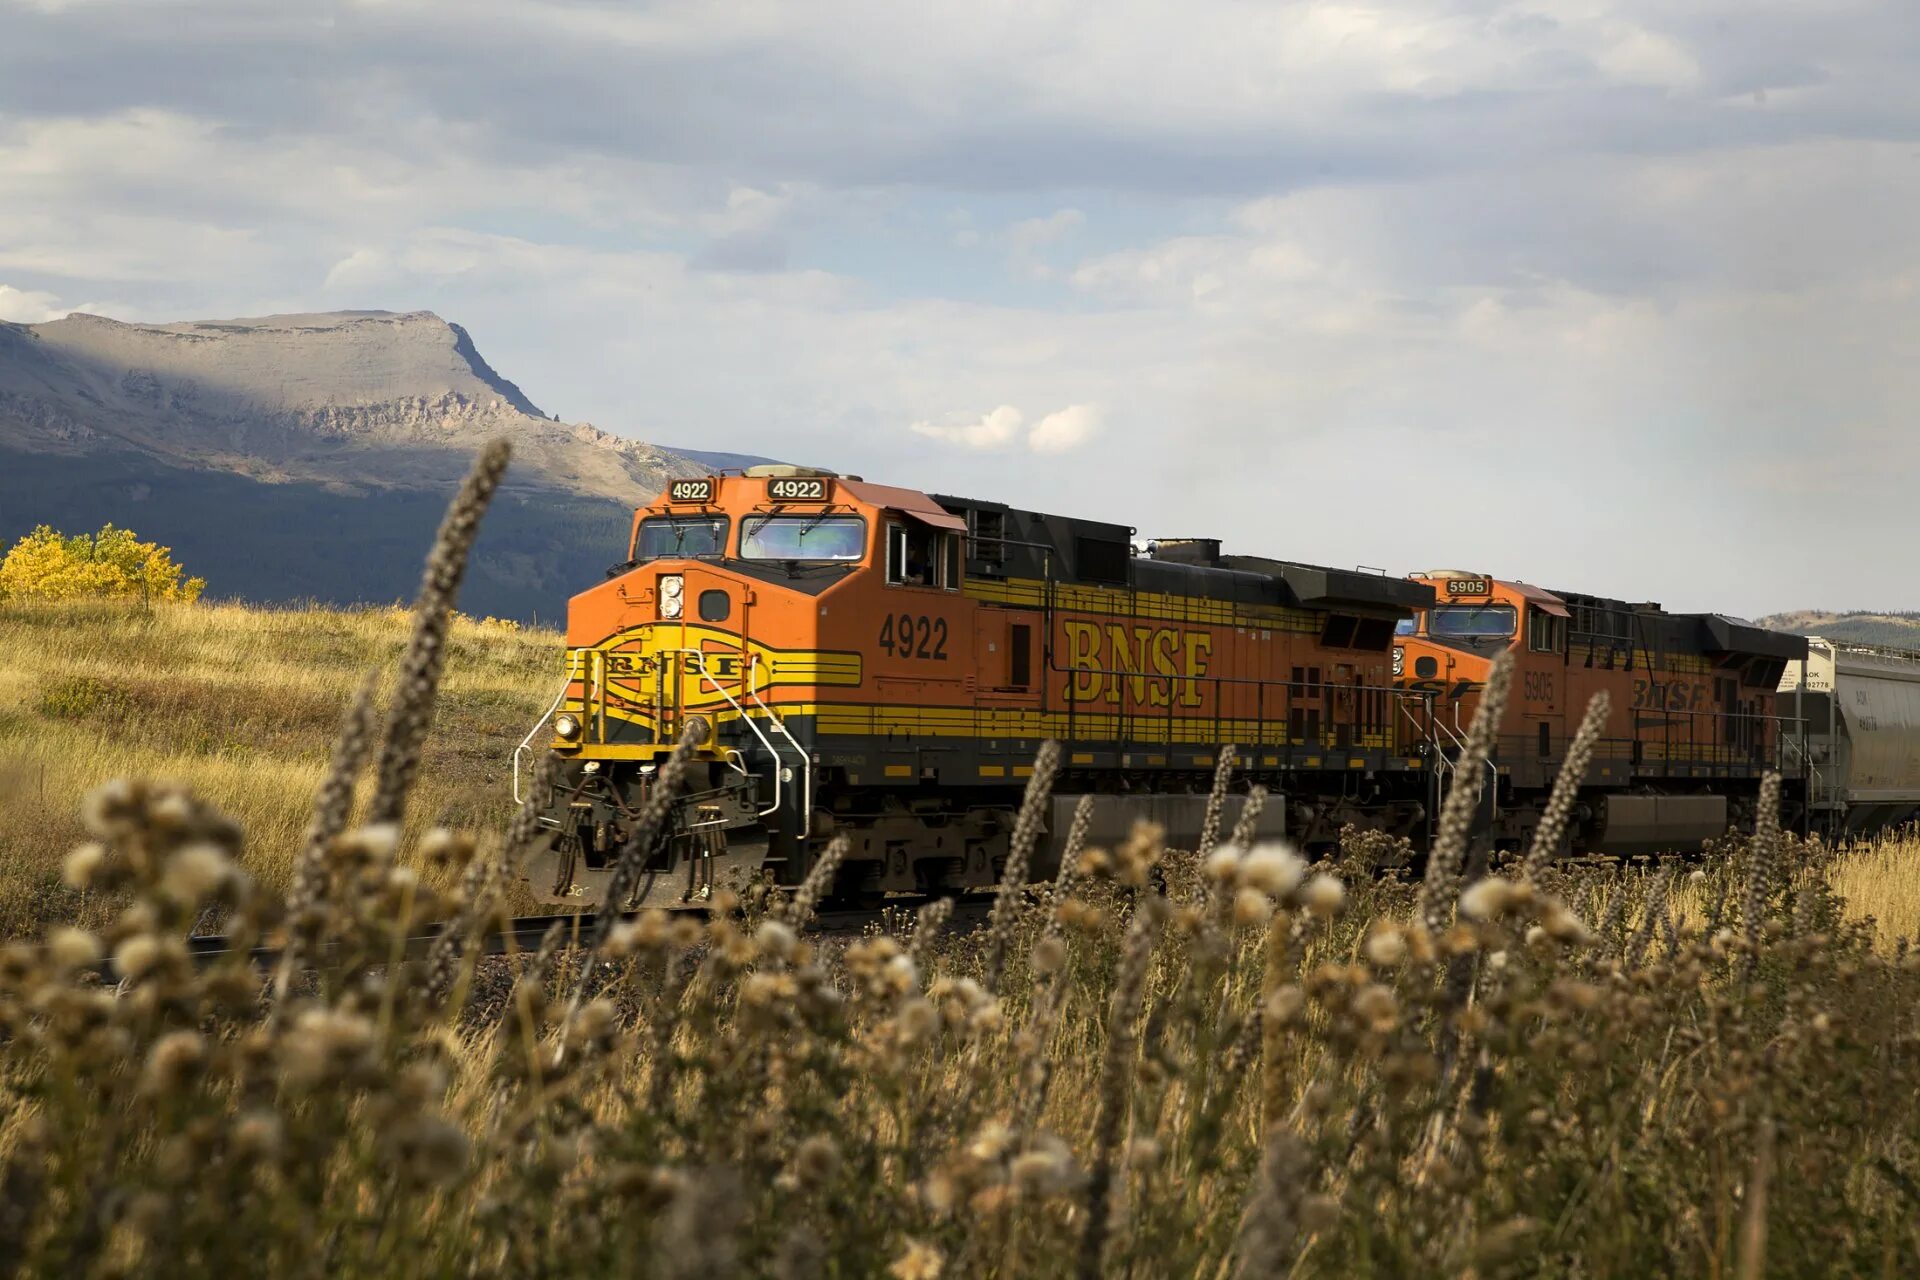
(680, 537)
(1471, 621)
(1545, 632)
(816, 537)
(921, 556)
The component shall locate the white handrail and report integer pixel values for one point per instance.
(701, 661)
(526, 743)
(806, 763)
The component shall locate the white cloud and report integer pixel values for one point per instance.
(1030, 234)
(1059, 432)
(991, 431)
(1068, 429)
(24, 306)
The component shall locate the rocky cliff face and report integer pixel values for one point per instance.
(367, 398)
(211, 434)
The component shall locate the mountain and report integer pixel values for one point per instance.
(297, 457)
(719, 461)
(1898, 630)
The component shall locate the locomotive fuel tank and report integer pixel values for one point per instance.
(1861, 710)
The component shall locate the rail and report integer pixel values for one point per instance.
(526, 933)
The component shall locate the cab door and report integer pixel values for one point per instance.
(1542, 689)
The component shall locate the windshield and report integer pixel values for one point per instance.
(1471, 620)
(819, 537)
(1407, 626)
(680, 536)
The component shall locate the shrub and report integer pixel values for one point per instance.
(114, 563)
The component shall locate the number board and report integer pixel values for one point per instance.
(1469, 587)
(690, 491)
(796, 489)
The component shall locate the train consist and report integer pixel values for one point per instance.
(880, 663)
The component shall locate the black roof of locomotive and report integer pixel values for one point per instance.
(1598, 618)
(1096, 553)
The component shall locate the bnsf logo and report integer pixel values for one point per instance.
(690, 491)
(788, 489)
(1147, 666)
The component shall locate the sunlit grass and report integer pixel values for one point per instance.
(240, 705)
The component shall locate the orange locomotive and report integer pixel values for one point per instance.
(1694, 720)
(878, 662)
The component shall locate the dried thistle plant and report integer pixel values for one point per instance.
(1027, 827)
(1217, 800)
(1552, 830)
(1455, 828)
(418, 682)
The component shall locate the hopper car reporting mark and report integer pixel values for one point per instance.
(880, 663)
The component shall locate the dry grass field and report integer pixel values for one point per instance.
(240, 706)
(1231, 1065)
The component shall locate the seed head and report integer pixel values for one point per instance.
(71, 948)
(1223, 864)
(816, 1159)
(1251, 907)
(1050, 954)
(921, 1261)
(173, 1060)
(257, 1135)
(84, 865)
(1564, 926)
(194, 873)
(1283, 1006)
(137, 956)
(1046, 1168)
(1486, 899)
(111, 809)
(1386, 945)
(1323, 895)
(775, 940)
(1272, 868)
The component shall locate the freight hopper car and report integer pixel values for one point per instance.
(875, 662)
(1695, 718)
(1860, 749)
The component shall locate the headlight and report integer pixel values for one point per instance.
(566, 727)
(673, 590)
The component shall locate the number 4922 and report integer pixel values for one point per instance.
(910, 635)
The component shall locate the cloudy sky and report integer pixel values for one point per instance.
(1616, 295)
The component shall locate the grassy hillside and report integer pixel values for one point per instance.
(239, 704)
(1898, 630)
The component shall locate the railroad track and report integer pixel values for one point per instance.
(524, 934)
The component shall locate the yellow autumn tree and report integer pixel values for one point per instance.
(48, 565)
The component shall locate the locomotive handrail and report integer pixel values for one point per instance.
(526, 743)
(806, 763)
(701, 664)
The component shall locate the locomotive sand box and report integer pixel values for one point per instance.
(881, 663)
